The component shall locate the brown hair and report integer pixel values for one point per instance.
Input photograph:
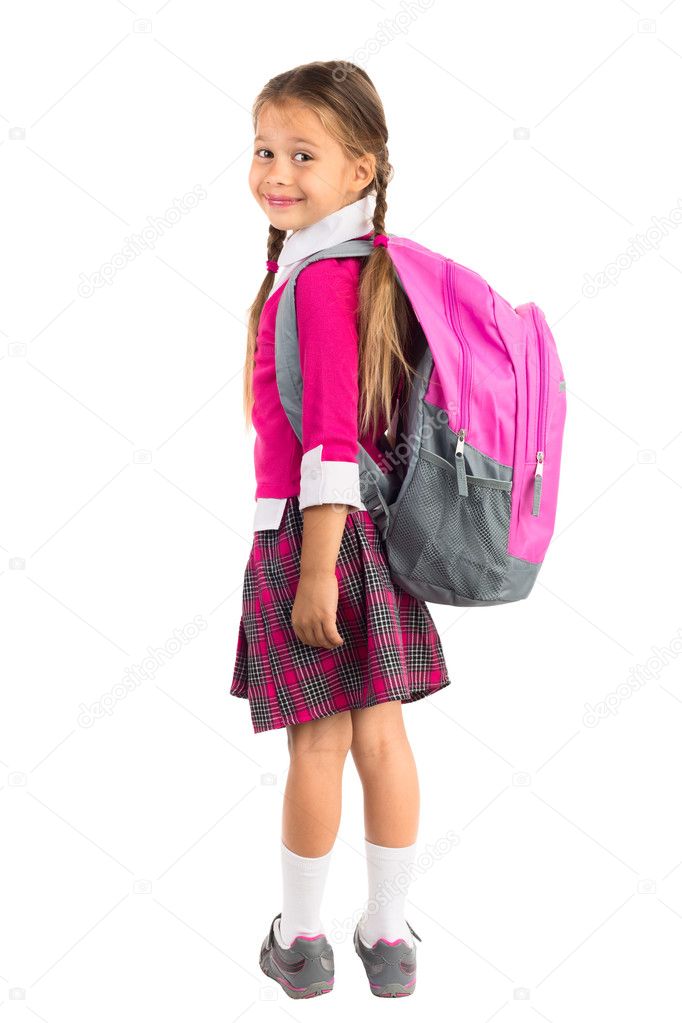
(349, 107)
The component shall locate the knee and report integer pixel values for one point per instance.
(329, 737)
(377, 733)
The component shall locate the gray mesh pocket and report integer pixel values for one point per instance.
(458, 543)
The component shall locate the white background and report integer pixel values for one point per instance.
(140, 851)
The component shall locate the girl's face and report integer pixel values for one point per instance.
(295, 158)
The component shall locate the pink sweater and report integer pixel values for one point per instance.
(326, 307)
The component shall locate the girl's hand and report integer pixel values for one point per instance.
(313, 615)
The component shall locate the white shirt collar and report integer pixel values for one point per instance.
(349, 221)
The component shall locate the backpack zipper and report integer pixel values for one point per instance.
(465, 379)
(540, 440)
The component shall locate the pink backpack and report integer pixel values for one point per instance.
(466, 499)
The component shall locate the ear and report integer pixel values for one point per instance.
(364, 171)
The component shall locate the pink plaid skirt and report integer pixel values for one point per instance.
(391, 649)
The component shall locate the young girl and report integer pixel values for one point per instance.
(328, 647)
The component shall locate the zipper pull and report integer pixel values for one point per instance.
(460, 465)
(537, 492)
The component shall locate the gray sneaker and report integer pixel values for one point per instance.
(391, 966)
(304, 970)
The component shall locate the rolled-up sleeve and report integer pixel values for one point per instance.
(326, 311)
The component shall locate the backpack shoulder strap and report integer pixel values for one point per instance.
(287, 357)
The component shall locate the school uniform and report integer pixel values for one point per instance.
(391, 648)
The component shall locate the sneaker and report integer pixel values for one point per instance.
(305, 969)
(391, 966)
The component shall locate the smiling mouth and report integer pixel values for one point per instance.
(276, 201)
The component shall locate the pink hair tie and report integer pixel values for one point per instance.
(272, 265)
(380, 239)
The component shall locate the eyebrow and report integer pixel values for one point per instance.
(306, 142)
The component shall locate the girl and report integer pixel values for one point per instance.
(328, 647)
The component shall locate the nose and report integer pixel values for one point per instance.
(276, 173)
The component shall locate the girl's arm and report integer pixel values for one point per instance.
(326, 305)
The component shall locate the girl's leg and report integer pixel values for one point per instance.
(310, 818)
(385, 762)
(386, 766)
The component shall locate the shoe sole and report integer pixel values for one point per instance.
(392, 990)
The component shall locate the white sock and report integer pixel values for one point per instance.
(389, 878)
(303, 881)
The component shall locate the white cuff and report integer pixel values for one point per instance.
(328, 482)
(268, 513)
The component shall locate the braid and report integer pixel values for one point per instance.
(385, 325)
(381, 178)
(276, 240)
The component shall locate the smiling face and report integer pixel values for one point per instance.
(295, 158)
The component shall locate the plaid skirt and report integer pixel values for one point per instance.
(391, 649)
